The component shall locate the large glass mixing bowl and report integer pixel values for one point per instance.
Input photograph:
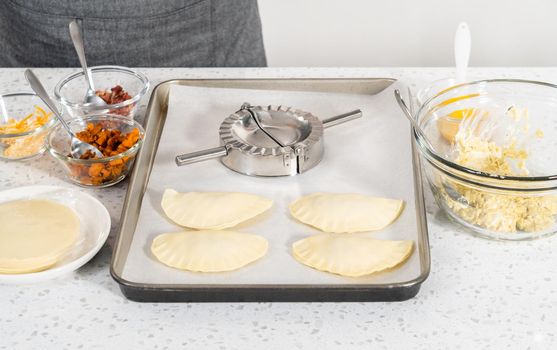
(514, 201)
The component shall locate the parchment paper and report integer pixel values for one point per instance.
(370, 155)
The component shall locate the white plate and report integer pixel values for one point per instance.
(95, 227)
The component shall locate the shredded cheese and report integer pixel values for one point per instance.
(24, 146)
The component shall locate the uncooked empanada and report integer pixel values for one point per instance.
(350, 254)
(332, 212)
(212, 210)
(208, 251)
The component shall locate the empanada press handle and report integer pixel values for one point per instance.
(341, 118)
(200, 156)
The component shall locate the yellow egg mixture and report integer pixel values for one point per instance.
(497, 211)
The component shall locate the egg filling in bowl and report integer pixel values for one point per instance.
(494, 163)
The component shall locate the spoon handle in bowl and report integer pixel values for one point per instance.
(408, 114)
(77, 39)
(39, 89)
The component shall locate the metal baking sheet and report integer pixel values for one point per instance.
(373, 155)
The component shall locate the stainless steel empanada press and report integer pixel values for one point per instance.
(269, 141)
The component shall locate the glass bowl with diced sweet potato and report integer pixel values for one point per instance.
(117, 137)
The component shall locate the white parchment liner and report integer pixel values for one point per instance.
(370, 155)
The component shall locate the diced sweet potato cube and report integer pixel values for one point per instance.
(95, 169)
(105, 172)
(116, 171)
(116, 162)
(126, 143)
(96, 180)
(102, 138)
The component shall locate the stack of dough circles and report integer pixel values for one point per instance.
(35, 234)
(350, 254)
(338, 212)
(212, 210)
(208, 251)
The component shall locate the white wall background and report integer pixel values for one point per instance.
(408, 33)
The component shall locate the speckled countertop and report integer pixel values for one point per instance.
(480, 294)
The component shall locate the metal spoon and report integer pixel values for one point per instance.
(452, 193)
(5, 117)
(77, 39)
(411, 119)
(4, 111)
(78, 147)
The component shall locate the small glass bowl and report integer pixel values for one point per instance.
(503, 207)
(101, 172)
(22, 145)
(70, 91)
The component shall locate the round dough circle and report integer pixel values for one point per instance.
(34, 234)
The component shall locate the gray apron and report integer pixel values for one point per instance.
(134, 33)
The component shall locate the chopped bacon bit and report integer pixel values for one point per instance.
(115, 95)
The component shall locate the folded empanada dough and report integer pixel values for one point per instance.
(208, 251)
(338, 212)
(212, 210)
(350, 254)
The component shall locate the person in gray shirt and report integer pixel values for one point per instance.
(134, 33)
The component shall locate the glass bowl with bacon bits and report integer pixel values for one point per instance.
(117, 137)
(120, 87)
(24, 124)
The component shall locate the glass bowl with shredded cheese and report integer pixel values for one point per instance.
(493, 166)
(24, 124)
